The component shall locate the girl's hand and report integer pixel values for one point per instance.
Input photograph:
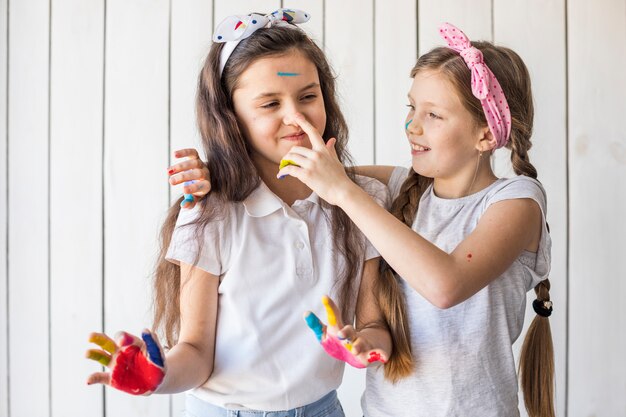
(194, 173)
(318, 167)
(137, 366)
(343, 342)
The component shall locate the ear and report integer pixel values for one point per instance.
(486, 142)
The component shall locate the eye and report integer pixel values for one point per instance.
(433, 116)
(309, 97)
(270, 105)
(410, 106)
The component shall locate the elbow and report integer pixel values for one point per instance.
(441, 292)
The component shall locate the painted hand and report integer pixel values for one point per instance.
(319, 167)
(193, 173)
(343, 342)
(137, 366)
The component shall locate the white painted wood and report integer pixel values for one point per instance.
(191, 31)
(539, 38)
(349, 44)
(471, 16)
(597, 162)
(135, 162)
(76, 109)
(136, 154)
(4, 363)
(28, 208)
(395, 55)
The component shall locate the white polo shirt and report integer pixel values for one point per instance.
(274, 262)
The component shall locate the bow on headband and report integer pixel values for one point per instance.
(485, 86)
(234, 29)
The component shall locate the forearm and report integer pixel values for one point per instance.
(187, 368)
(377, 337)
(380, 172)
(429, 270)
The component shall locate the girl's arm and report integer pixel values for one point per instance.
(380, 172)
(190, 361)
(503, 232)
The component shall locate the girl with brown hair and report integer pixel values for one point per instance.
(237, 271)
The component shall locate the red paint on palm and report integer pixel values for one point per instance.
(375, 357)
(337, 350)
(134, 373)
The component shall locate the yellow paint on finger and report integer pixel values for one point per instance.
(285, 162)
(332, 319)
(348, 346)
(98, 356)
(104, 342)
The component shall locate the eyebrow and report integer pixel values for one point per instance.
(427, 103)
(271, 94)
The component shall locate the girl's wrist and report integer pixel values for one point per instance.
(347, 193)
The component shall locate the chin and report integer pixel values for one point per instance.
(422, 170)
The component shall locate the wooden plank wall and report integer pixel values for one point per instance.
(95, 95)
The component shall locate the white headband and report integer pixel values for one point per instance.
(234, 29)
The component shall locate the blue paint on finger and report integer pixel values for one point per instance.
(190, 182)
(154, 353)
(315, 324)
(188, 199)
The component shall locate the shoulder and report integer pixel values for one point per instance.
(376, 189)
(520, 187)
(212, 214)
(398, 176)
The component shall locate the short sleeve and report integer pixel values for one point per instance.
(398, 176)
(380, 194)
(526, 187)
(186, 246)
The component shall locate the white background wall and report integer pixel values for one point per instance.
(96, 94)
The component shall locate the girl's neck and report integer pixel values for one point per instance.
(289, 189)
(467, 182)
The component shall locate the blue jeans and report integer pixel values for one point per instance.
(327, 406)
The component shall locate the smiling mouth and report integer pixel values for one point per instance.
(419, 148)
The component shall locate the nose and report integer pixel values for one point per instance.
(290, 109)
(413, 127)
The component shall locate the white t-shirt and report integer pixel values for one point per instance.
(274, 262)
(463, 355)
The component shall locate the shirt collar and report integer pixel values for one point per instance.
(263, 202)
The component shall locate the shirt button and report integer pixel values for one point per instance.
(299, 245)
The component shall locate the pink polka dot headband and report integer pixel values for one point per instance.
(234, 29)
(485, 86)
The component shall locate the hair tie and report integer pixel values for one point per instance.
(485, 86)
(542, 308)
(234, 29)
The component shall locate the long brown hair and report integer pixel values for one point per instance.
(234, 176)
(537, 356)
